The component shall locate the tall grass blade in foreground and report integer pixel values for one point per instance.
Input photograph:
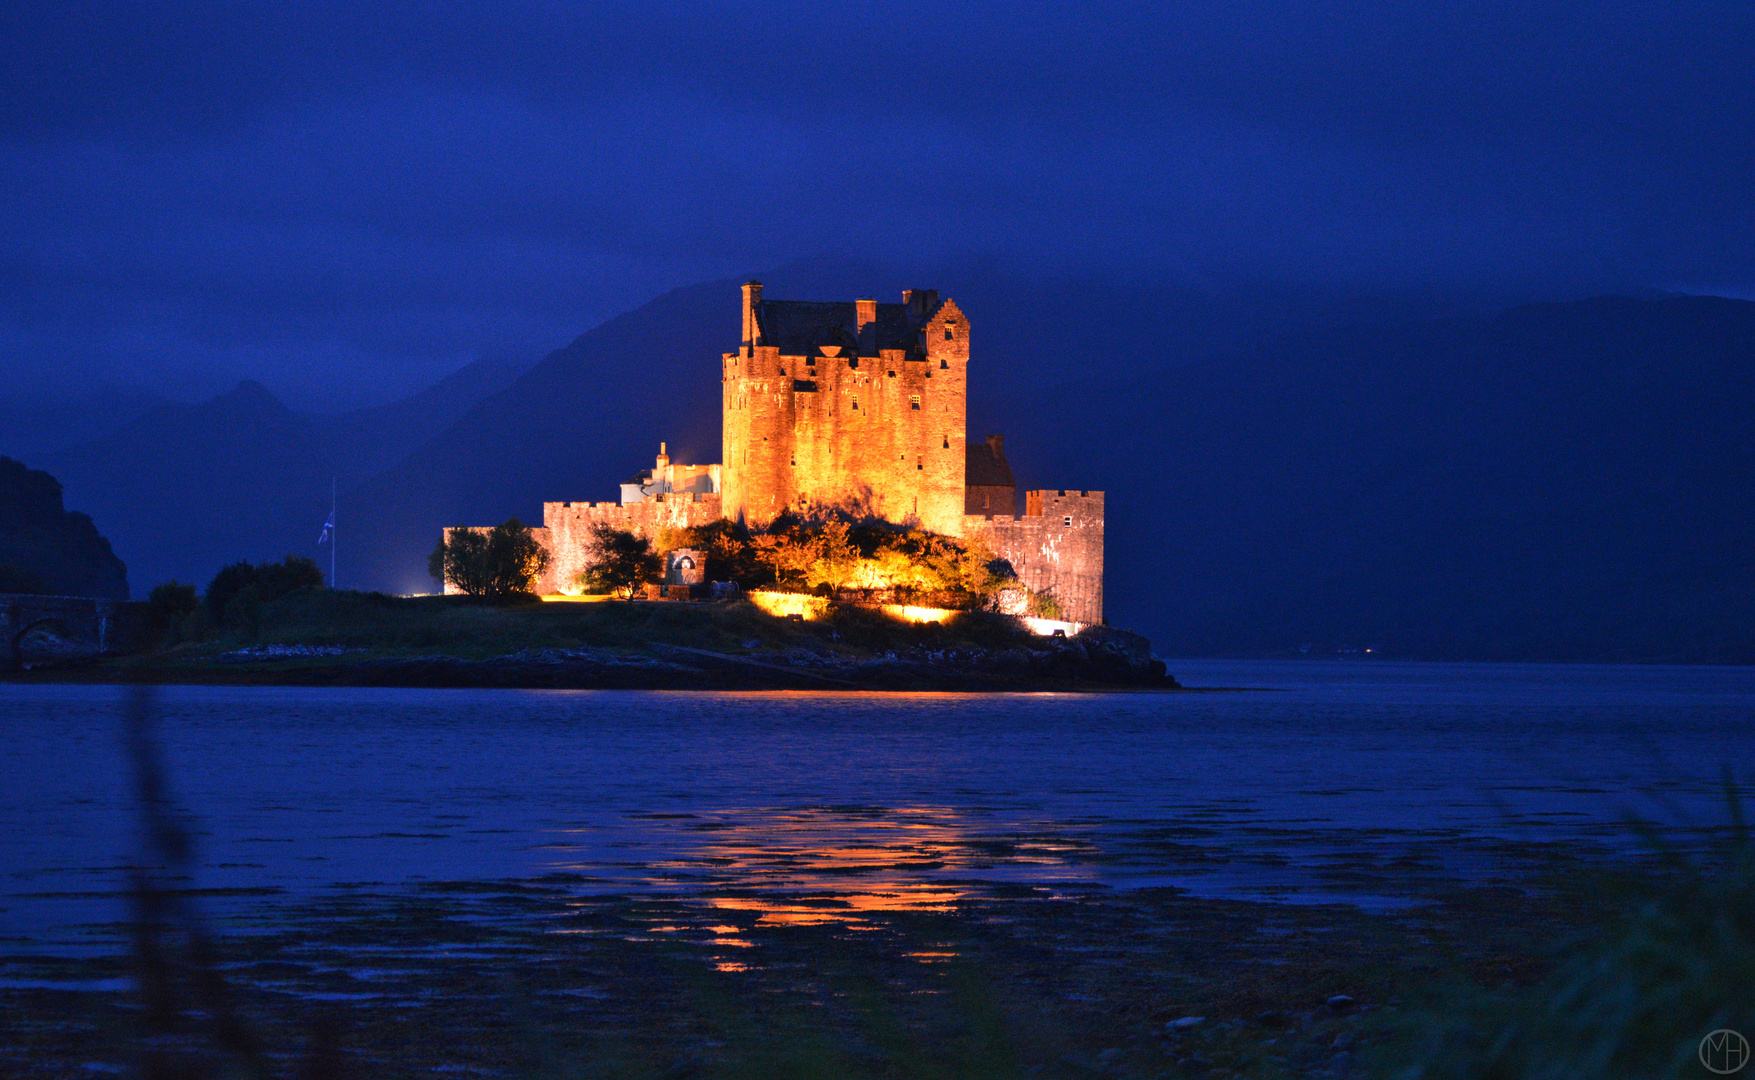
(1673, 962)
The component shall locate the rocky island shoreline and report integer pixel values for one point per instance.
(362, 639)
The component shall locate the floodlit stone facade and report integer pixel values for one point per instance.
(1056, 548)
(858, 407)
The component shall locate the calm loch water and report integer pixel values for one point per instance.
(1321, 781)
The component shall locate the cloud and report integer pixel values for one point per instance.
(309, 192)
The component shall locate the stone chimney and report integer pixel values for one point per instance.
(866, 318)
(919, 302)
(664, 458)
(996, 444)
(752, 299)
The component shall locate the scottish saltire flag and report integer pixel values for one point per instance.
(328, 529)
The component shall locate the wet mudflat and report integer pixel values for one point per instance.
(648, 884)
(531, 980)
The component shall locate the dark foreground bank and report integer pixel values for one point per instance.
(1573, 973)
(322, 638)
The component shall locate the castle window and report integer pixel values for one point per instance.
(944, 365)
(947, 440)
(1069, 521)
(892, 374)
(685, 563)
(914, 402)
(856, 403)
(919, 463)
(949, 333)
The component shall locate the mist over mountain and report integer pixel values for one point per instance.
(33, 426)
(186, 489)
(592, 414)
(1288, 472)
(1561, 481)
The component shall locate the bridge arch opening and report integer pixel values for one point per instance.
(54, 624)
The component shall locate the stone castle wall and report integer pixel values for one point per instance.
(878, 431)
(1056, 548)
(568, 527)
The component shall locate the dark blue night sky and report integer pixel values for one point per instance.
(346, 201)
(1427, 329)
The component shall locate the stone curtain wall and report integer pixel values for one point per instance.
(1056, 548)
(568, 528)
(875, 432)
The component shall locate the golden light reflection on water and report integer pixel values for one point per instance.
(814, 865)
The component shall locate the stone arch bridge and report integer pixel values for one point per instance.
(108, 625)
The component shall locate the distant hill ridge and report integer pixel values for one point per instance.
(1554, 481)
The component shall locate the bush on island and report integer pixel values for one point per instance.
(490, 564)
(235, 592)
(621, 562)
(168, 607)
(829, 556)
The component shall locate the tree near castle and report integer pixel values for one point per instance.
(490, 564)
(621, 562)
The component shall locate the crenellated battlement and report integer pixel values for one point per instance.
(1056, 548)
(859, 407)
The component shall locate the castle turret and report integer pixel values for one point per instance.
(752, 299)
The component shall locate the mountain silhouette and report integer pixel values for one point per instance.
(1564, 481)
(186, 489)
(1286, 476)
(44, 547)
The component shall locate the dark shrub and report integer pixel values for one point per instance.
(233, 595)
(168, 605)
(14, 579)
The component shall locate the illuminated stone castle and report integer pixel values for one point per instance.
(860, 408)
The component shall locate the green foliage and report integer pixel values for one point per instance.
(1044, 605)
(14, 579)
(236, 592)
(869, 560)
(620, 562)
(1675, 962)
(169, 606)
(730, 554)
(492, 564)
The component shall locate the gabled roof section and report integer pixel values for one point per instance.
(798, 327)
(984, 465)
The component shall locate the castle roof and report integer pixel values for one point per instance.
(797, 327)
(984, 465)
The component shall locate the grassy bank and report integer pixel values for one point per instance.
(375, 639)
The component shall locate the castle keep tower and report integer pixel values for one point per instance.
(855, 405)
(859, 407)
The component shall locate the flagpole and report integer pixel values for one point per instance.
(332, 534)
